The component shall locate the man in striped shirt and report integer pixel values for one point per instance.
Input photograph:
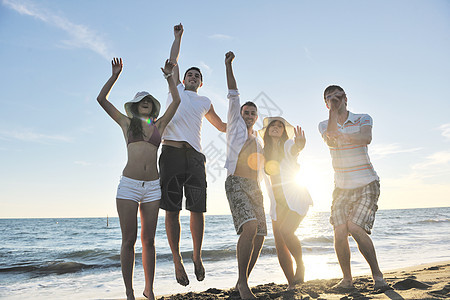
(357, 186)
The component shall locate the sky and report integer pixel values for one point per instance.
(61, 155)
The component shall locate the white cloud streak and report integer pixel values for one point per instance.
(220, 37)
(80, 35)
(445, 128)
(380, 150)
(29, 135)
(438, 159)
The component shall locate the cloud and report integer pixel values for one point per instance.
(381, 150)
(438, 160)
(205, 68)
(220, 37)
(445, 128)
(31, 136)
(80, 35)
(308, 54)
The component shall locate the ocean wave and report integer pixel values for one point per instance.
(55, 267)
(430, 221)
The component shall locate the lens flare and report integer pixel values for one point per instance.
(273, 167)
(253, 159)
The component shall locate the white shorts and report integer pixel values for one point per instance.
(138, 190)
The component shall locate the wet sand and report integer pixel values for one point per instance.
(428, 281)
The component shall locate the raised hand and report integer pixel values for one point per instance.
(299, 138)
(229, 56)
(178, 30)
(335, 100)
(168, 67)
(117, 66)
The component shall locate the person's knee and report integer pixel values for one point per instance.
(128, 243)
(148, 241)
(250, 227)
(172, 215)
(340, 232)
(355, 230)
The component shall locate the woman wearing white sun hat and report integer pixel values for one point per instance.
(139, 187)
(289, 202)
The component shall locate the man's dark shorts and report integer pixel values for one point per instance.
(182, 167)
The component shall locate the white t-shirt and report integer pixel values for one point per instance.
(186, 124)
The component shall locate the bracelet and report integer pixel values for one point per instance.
(167, 75)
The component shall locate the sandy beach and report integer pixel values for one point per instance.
(428, 281)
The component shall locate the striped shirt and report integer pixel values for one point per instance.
(351, 163)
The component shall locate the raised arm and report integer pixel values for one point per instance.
(215, 120)
(102, 97)
(175, 51)
(231, 81)
(171, 110)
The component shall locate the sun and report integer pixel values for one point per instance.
(317, 180)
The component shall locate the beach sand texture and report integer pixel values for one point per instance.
(429, 281)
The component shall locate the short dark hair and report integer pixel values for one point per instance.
(331, 88)
(193, 68)
(249, 103)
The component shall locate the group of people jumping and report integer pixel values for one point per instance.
(269, 154)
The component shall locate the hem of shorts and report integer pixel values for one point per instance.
(369, 232)
(240, 225)
(127, 200)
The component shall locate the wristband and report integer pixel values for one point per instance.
(167, 75)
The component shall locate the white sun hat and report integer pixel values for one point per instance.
(139, 97)
(268, 120)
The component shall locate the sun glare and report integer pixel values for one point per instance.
(317, 183)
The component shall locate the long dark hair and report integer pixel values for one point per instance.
(135, 128)
(269, 152)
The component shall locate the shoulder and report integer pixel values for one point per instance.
(363, 119)
(323, 126)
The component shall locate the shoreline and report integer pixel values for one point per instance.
(423, 281)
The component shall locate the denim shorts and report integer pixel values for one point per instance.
(138, 190)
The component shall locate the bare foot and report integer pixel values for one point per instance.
(380, 284)
(244, 291)
(344, 285)
(180, 274)
(199, 270)
(290, 287)
(149, 295)
(299, 276)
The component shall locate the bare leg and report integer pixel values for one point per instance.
(343, 253)
(149, 219)
(127, 211)
(365, 246)
(284, 257)
(244, 251)
(258, 242)
(173, 236)
(197, 228)
(288, 228)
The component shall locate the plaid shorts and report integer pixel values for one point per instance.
(246, 203)
(356, 205)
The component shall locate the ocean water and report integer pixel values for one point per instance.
(78, 258)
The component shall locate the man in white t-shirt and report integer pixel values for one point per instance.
(182, 165)
(357, 186)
